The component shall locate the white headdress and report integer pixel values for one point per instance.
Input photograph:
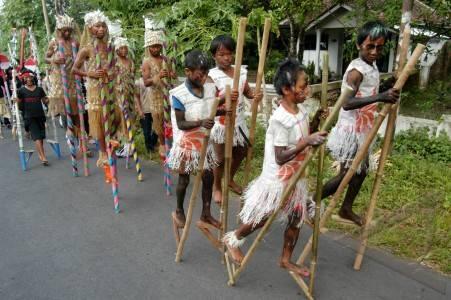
(95, 17)
(153, 34)
(64, 21)
(121, 42)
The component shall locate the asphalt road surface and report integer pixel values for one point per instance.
(60, 239)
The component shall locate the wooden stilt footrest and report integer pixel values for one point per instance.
(304, 287)
(176, 228)
(340, 220)
(55, 147)
(206, 228)
(28, 154)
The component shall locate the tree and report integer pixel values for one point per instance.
(297, 13)
(22, 14)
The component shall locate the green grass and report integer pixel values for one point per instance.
(413, 211)
(430, 103)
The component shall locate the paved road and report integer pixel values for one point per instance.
(60, 239)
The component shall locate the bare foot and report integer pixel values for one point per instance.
(289, 266)
(217, 196)
(235, 187)
(350, 215)
(235, 253)
(180, 218)
(210, 220)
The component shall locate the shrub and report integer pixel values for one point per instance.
(418, 142)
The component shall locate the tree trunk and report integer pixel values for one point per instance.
(300, 43)
(292, 44)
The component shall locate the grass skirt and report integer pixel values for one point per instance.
(343, 144)
(219, 131)
(263, 196)
(184, 156)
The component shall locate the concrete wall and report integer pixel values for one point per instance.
(335, 49)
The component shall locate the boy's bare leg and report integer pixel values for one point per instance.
(218, 173)
(290, 238)
(233, 239)
(238, 155)
(180, 192)
(207, 187)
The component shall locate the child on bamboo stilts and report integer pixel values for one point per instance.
(124, 88)
(153, 75)
(356, 117)
(287, 142)
(95, 62)
(223, 48)
(190, 109)
(66, 36)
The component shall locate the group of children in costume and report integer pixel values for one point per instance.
(289, 137)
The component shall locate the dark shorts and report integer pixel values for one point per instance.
(36, 127)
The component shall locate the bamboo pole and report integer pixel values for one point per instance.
(362, 152)
(227, 163)
(70, 124)
(22, 157)
(254, 107)
(403, 45)
(231, 126)
(302, 285)
(167, 120)
(402, 61)
(81, 109)
(375, 191)
(319, 178)
(386, 147)
(46, 19)
(290, 186)
(12, 50)
(197, 181)
(22, 48)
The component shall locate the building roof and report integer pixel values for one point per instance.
(334, 14)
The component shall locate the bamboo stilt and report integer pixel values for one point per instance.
(319, 178)
(386, 147)
(302, 285)
(375, 191)
(254, 107)
(46, 19)
(224, 213)
(81, 109)
(290, 187)
(362, 152)
(227, 163)
(197, 181)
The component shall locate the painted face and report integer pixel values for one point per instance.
(66, 33)
(371, 50)
(122, 51)
(223, 58)
(99, 30)
(300, 91)
(196, 77)
(155, 50)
